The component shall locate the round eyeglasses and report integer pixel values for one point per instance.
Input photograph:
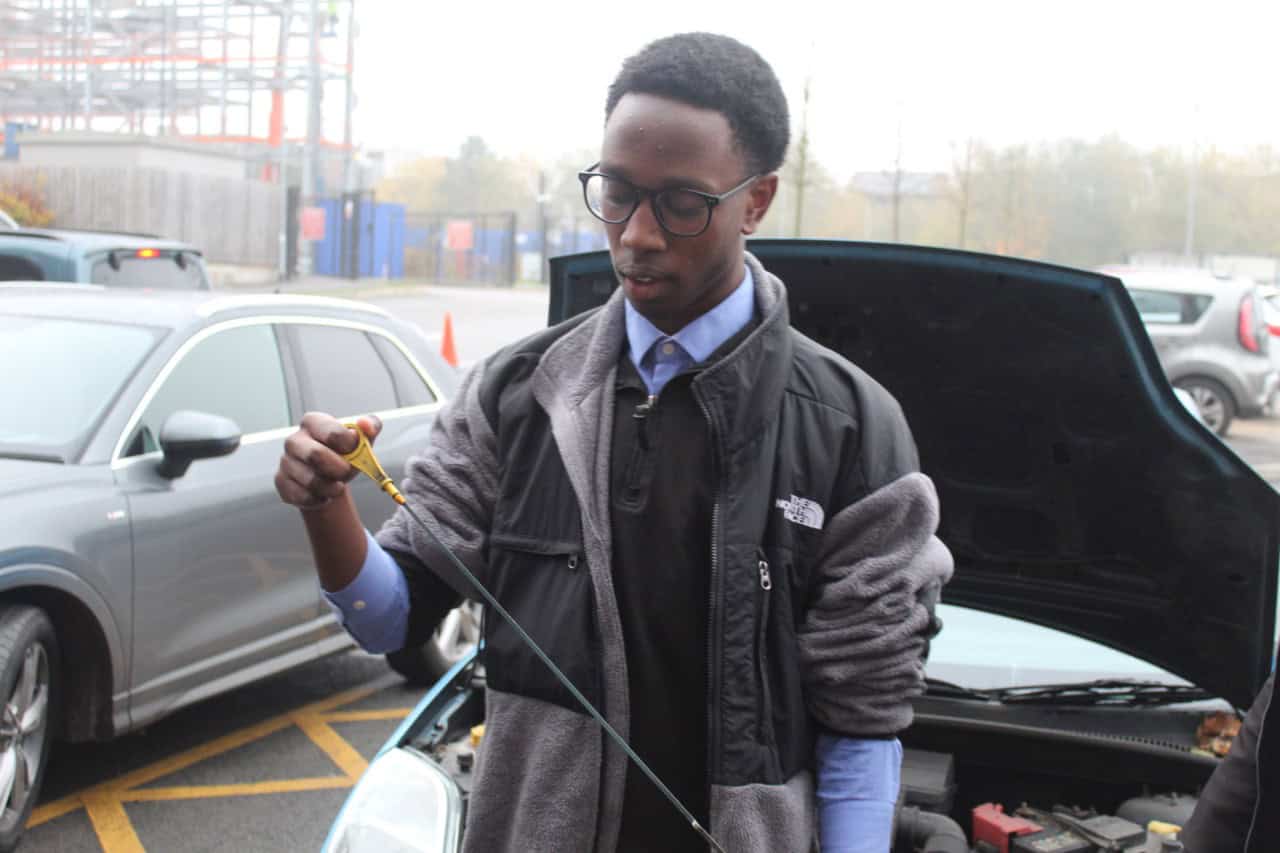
(680, 212)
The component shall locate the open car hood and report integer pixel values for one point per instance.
(1077, 492)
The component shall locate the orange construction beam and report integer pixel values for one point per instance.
(253, 140)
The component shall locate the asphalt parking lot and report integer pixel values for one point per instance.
(264, 768)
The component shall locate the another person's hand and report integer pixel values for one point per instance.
(312, 471)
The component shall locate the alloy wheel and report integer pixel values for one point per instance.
(24, 724)
(1212, 408)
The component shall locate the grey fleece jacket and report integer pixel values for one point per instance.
(546, 779)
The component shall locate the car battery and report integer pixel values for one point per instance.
(928, 780)
(1118, 833)
(994, 830)
(1086, 835)
(1051, 841)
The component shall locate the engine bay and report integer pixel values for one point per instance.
(925, 824)
(1025, 780)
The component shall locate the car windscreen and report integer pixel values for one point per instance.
(153, 269)
(60, 376)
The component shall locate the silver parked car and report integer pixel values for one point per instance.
(145, 560)
(1211, 336)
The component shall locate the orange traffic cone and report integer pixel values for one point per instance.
(447, 347)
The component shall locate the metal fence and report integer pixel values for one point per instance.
(470, 248)
(233, 221)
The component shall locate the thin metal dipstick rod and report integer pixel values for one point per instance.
(362, 459)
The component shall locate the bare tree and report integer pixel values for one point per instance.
(897, 180)
(802, 159)
(964, 185)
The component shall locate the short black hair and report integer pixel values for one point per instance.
(718, 73)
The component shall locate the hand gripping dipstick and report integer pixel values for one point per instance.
(364, 461)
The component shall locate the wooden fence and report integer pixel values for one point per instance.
(233, 221)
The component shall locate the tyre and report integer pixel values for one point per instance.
(1217, 406)
(458, 634)
(29, 688)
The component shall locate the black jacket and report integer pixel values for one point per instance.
(816, 473)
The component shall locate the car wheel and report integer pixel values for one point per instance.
(1217, 406)
(29, 687)
(457, 635)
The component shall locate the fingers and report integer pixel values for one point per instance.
(329, 431)
(301, 486)
(370, 425)
(312, 471)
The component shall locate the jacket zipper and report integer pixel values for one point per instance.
(640, 414)
(765, 715)
(713, 662)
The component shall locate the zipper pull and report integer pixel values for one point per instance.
(766, 580)
(641, 412)
(573, 562)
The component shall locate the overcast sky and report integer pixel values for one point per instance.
(530, 78)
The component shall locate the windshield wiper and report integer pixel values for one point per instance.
(1107, 692)
(948, 690)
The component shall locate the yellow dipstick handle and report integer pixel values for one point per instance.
(363, 460)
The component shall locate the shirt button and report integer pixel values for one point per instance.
(359, 605)
(668, 348)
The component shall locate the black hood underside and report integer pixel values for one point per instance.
(1076, 491)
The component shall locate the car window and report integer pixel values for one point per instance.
(1157, 306)
(342, 373)
(984, 650)
(149, 269)
(235, 373)
(411, 388)
(61, 375)
(18, 268)
(1161, 307)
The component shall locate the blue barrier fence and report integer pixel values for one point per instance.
(362, 238)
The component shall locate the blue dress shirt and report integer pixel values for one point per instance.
(658, 356)
(858, 779)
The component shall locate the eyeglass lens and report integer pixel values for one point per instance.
(679, 211)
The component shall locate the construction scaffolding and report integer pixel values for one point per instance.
(234, 73)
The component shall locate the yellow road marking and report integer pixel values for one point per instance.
(104, 802)
(247, 789)
(161, 768)
(339, 751)
(112, 825)
(366, 716)
(54, 810)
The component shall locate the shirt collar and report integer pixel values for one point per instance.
(705, 334)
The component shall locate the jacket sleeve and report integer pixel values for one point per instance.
(451, 486)
(864, 635)
(1226, 806)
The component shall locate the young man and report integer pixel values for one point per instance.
(713, 525)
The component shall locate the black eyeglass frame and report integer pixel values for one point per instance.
(712, 199)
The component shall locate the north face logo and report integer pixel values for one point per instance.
(803, 511)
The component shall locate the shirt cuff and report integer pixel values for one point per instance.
(374, 607)
(858, 783)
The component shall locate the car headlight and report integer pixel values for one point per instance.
(404, 803)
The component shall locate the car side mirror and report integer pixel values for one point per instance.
(187, 436)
